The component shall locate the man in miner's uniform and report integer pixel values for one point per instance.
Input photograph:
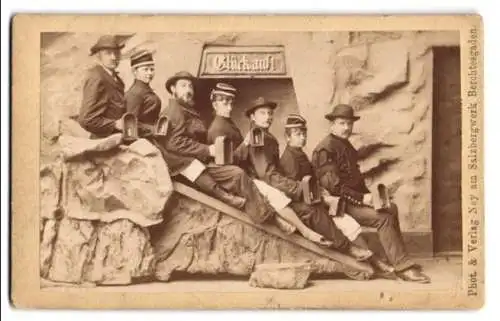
(222, 98)
(285, 195)
(188, 154)
(141, 100)
(336, 165)
(103, 102)
(296, 165)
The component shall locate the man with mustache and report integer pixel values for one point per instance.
(103, 102)
(336, 165)
(188, 154)
(296, 165)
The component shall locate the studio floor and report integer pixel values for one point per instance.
(445, 273)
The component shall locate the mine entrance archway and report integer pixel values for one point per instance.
(278, 90)
(255, 71)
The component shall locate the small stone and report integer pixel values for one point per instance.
(280, 276)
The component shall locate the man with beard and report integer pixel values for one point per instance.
(336, 164)
(103, 102)
(188, 154)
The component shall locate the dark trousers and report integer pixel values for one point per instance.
(234, 180)
(389, 232)
(316, 218)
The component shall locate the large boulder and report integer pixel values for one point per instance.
(130, 182)
(98, 199)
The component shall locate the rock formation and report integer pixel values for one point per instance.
(98, 198)
(97, 210)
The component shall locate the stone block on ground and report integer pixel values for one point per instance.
(280, 276)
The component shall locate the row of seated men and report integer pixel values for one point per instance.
(325, 199)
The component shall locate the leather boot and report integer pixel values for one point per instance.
(359, 253)
(230, 199)
(208, 185)
(383, 269)
(414, 275)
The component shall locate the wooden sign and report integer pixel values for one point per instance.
(243, 61)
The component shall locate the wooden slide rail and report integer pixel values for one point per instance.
(270, 229)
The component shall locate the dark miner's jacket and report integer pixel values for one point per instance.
(103, 102)
(186, 138)
(223, 126)
(335, 161)
(145, 105)
(266, 166)
(295, 164)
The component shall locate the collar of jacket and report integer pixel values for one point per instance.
(340, 138)
(142, 84)
(112, 73)
(293, 149)
(253, 125)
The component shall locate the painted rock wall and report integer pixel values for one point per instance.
(386, 76)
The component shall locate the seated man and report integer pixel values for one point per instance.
(285, 195)
(296, 166)
(141, 100)
(222, 98)
(336, 165)
(187, 154)
(103, 102)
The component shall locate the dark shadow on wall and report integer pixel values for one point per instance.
(446, 151)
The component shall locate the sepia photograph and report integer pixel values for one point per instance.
(231, 167)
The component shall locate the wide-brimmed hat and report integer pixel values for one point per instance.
(179, 75)
(258, 103)
(141, 58)
(295, 121)
(224, 90)
(106, 42)
(342, 111)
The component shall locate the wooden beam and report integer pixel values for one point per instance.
(270, 229)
